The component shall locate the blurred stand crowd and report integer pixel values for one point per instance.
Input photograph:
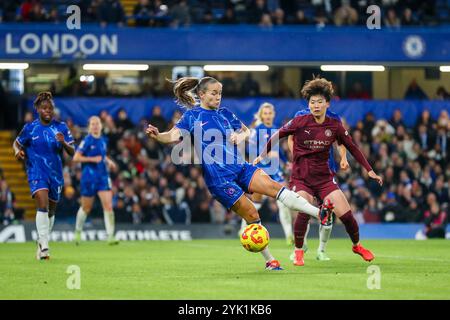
(265, 13)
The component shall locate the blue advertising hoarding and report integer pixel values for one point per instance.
(287, 44)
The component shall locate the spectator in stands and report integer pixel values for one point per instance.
(122, 122)
(357, 91)
(157, 119)
(218, 213)
(9, 10)
(207, 17)
(397, 119)
(279, 18)
(441, 190)
(425, 138)
(442, 94)
(371, 213)
(180, 14)
(391, 20)
(415, 92)
(300, 18)
(250, 87)
(53, 16)
(7, 204)
(266, 21)
(321, 18)
(161, 14)
(383, 131)
(25, 9)
(68, 205)
(257, 10)
(143, 11)
(111, 12)
(38, 13)
(89, 10)
(407, 18)
(435, 222)
(228, 17)
(345, 15)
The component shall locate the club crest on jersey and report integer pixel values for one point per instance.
(230, 191)
(328, 133)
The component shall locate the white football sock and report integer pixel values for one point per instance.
(42, 227)
(267, 255)
(324, 236)
(305, 244)
(109, 223)
(285, 219)
(81, 218)
(295, 202)
(51, 222)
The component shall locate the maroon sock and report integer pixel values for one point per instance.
(300, 226)
(351, 226)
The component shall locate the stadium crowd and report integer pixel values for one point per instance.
(266, 13)
(149, 188)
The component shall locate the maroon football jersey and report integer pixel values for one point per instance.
(312, 143)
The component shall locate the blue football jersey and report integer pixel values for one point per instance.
(92, 147)
(331, 114)
(43, 151)
(210, 131)
(258, 139)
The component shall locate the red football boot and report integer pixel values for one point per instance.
(298, 259)
(363, 252)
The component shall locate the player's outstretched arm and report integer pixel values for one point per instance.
(19, 153)
(345, 138)
(82, 159)
(173, 135)
(343, 154)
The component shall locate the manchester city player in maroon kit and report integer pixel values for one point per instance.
(314, 135)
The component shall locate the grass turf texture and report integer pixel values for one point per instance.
(222, 269)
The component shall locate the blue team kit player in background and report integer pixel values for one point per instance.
(41, 144)
(95, 179)
(264, 129)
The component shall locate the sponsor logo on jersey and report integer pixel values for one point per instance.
(308, 131)
(317, 142)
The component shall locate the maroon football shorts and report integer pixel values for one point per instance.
(319, 191)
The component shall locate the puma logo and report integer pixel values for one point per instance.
(308, 131)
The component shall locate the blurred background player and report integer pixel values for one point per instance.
(228, 182)
(314, 135)
(41, 143)
(260, 135)
(95, 179)
(324, 231)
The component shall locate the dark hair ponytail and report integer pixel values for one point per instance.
(41, 97)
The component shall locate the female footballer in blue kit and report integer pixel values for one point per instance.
(258, 139)
(41, 144)
(95, 179)
(227, 181)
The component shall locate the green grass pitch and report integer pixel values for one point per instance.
(222, 269)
